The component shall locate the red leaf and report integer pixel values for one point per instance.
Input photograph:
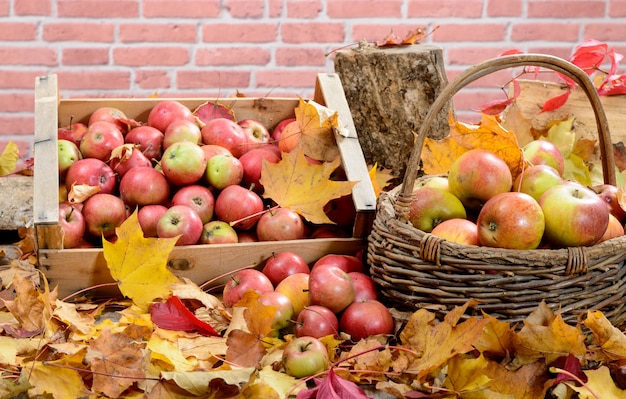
(211, 110)
(571, 364)
(174, 315)
(613, 85)
(494, 107)
(333, 387)
(589, 55)
(556, 102)
(512, 51)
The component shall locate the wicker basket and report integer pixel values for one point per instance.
(418, 270)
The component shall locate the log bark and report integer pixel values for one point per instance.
(389, 91)
(16, 202)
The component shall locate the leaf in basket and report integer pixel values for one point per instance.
(306, 188)
(612, 341)
(139, 264)
(490, 135)
(316, 124)
(8, 158)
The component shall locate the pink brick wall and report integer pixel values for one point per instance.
(105, 48)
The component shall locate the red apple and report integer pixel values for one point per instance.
(180, 220)
(284, 310)
(73, 132)
(511, 220)
(347, 263)
(331, 287)
(144, 185)
(329, 231)
(305, 356)
(226, 133)
(112, 115)
(183, 163)
(296, 288)
(536, 180)
(126, 157)
(181, 130)
(149, 216)
(461, 231)
(72, 224)
(289, 137)
(166, 112)
(68, 154)
(235, 204)
(430, 206)
(613, 230)
(213, 149)
(103, 213)
(257, 133)
(149, 140)
(575, 215)
(251, 163)
(277, 131)
(242, 281)
(478, 175)
(316, 321)
(100, 139)
(364, 287)
(91, 172)
(543, 152)
(341, 210)
(223, 170)
(281, 224)
(610, 194)
(198, 198)
(364, 319)
(247, 236)
(282, 264)
(218, 232)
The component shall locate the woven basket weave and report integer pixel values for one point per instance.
(419, 270)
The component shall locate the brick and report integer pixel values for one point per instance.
(605, 32)
(563, 52)
(220, 79)
(98, 8)
(246, 33)
(85, 56)
(313, 32)
(568, 32)
(617, 8)
(17, 102)
(152, 79)
(163, 33)
(505, 8)
(93, 79)
(232, 56)
(28, 56)
(4, 7)
(144, 56)
(11, 125)
(244, 8)
(297, 56)
(84, 32)
(32, 7)
(379, 32)
(475, 32)
(364, 8)
(181, 8)
(445, 8)
(286, 78)
(304, 8)
(565, 8)
(18, 31)
(471, 99)
(472, 55)
(19, 79)
(275, 8)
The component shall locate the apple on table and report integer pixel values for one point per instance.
(305, 356)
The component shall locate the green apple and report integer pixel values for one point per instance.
(183, 163)
(432, 181)
(218, 232)
(68, 154)
(430, 206)
(305, 356)
(536, 180)
(224, 170)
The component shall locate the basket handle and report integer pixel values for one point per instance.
(509, 61)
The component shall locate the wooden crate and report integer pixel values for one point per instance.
(75, 269)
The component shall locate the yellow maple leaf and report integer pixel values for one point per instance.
(60, 382)
(612, 341)
(9, 158)
(599, 385)
(316, 125)
(139, 264)
(490, 135)
(306, 188)
(380, 178)
(466, 373)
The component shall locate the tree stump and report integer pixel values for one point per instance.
(389, 91)
(16, 202)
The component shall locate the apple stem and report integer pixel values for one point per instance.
(235, 222)
(575, 377)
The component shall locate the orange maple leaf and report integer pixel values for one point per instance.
(316, 124)
(306, 188)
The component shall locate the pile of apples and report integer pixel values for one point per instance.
(334, 296)
(197, 179)
(478, 203)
